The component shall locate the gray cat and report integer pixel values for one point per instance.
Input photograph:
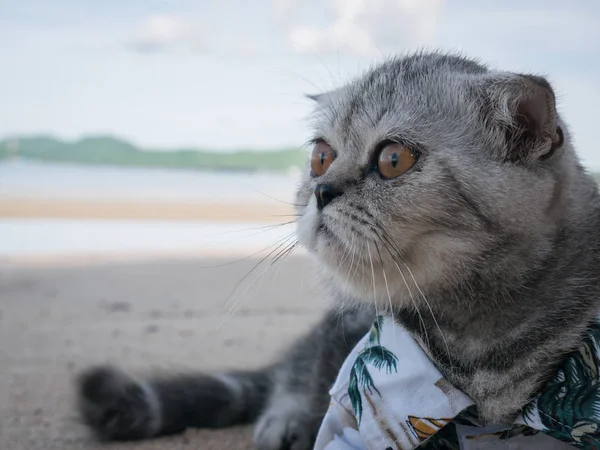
(441, 192)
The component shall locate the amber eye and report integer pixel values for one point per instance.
(395, 159)
(321, 158)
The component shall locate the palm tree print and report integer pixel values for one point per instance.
(373, 354)
(569, 405)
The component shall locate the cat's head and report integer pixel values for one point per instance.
(427, 167)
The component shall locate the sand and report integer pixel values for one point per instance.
(165, 315)
(104, 209)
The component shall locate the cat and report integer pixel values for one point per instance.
(443, 193)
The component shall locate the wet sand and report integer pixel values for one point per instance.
(165, 315)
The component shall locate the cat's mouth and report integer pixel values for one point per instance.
(325, 234)
(353, 256)
(340, 241)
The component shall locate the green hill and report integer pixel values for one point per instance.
(108, 150)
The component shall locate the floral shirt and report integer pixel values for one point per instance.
(390, 396)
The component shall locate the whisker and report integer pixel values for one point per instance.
(284, 253)
(235, 304)
(244, 258)
(352, 253)
(387, 288)
(345, 256)
(291, 250)
(432, 315)
(356, 266)
(265, 227)
(373, 275)
(280, 201)
(277, 245)
(410, 293)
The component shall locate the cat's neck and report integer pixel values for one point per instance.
(481, 336)
(480, 317)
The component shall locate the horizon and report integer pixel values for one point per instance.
(594, 169)
(192, 75)
(92, 136)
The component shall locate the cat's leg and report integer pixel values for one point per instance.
(300, 395)
(296, 407)
(116, 406)
(290, 422)
(288, 399)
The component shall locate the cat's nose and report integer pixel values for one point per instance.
(325, 193)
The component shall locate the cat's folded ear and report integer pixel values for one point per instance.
(524, 108)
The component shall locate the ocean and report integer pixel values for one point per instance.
(25, 237)
(25, 179)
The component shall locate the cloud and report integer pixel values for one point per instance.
(167, 33)
(283, 9)
(524, 29)
(161, 34)
(367, 27)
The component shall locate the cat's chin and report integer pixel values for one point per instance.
(356, 280)
(317, 236)
(308, 225)
(363, 275)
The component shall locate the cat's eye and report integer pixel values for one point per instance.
(321, 158)
(395, 159)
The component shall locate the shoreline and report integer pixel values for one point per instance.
(176, 210)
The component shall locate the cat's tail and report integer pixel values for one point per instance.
(119, 407)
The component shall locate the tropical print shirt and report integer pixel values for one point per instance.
(390, 396)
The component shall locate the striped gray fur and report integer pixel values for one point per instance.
(487, 250)
(287, 399)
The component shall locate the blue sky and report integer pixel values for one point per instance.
(227, 74)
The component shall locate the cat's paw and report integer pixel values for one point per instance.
(116, 406)
(284, 431)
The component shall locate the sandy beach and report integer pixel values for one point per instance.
(137, 268)
(175, 210)
(167, 315)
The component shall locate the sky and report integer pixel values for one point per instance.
(225, 74)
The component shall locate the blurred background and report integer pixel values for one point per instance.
(146, 146)
(120, 120)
